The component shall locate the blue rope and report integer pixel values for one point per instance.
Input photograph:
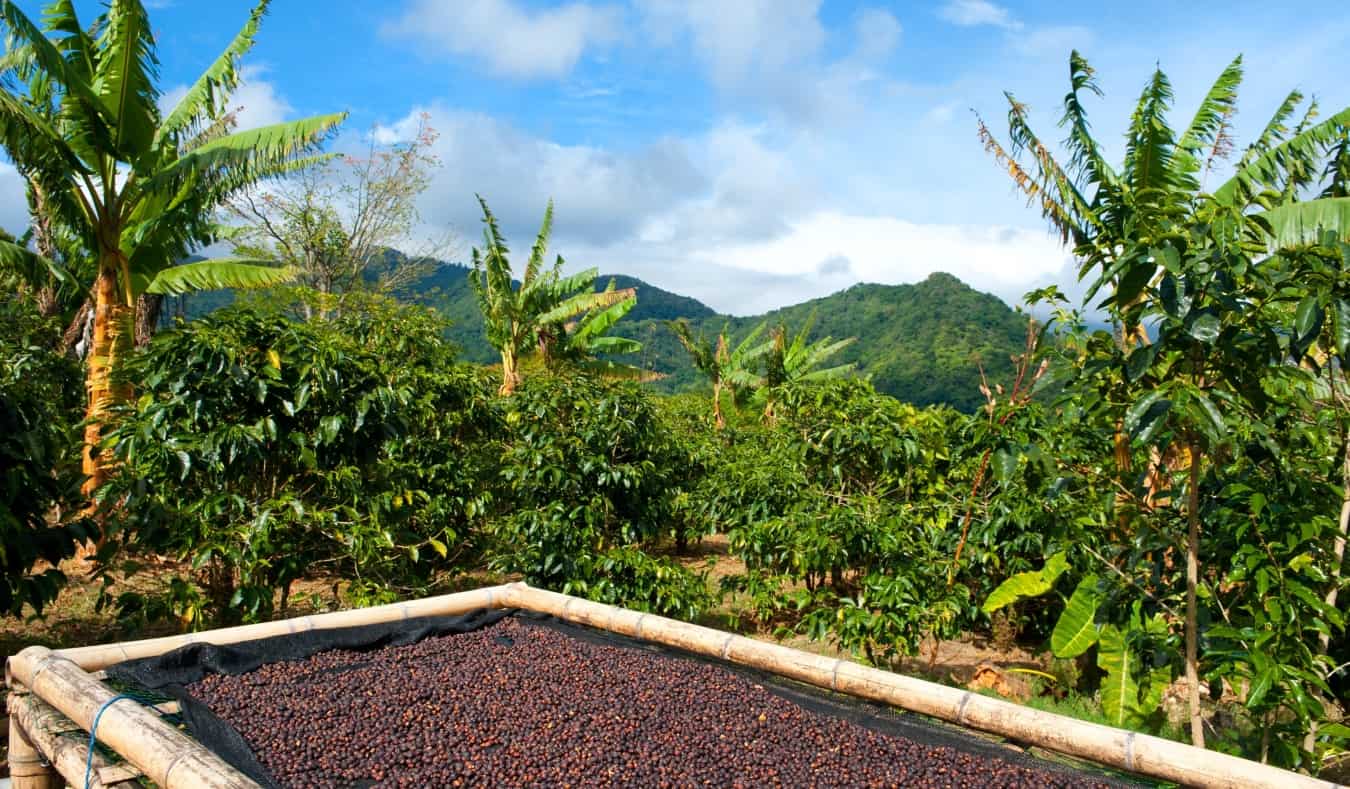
(89, 760)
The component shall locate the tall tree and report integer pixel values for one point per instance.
(562, 317)
(137, 187)
(337, 225)
(1116, 219)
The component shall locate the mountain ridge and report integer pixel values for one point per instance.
(923, 342)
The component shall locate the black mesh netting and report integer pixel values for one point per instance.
(187, 674)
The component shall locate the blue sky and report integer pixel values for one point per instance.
(750, 153)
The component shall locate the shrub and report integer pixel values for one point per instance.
(264, 447)
(589, 469)
(39, 460)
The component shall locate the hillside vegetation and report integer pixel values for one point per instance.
(922, 343)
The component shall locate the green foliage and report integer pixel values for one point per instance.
(564, 318)
(264, 447)
(590, 474)
(39, 461)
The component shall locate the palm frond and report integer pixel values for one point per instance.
(205, 101)
(216, 274)
(1307, 222)
(1085, 154)
(124, 77)
(1150, 141)
(603, 319)
(829, 373)
(1336, 176)
(613, 346)
(1208, 129)
(244, 153)
(618, 371)
(582, 303)
(540, 246)
(1272, 169)
(77, 45)
(46, 56)
(1275, 129)
(701, 352)
(1050, 187)
(30, 266)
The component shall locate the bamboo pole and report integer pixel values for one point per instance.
(49, 732)
(166, 756)
(98, 657)
(1137, 753)
(28, 769)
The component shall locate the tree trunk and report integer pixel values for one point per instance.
(111, 342)
(510, 375)
(148, 308)
(76, 330)
(718, 419)
(1192, 580)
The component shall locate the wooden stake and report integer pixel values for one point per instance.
(27, 767)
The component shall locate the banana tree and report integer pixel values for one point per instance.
(583, 343)
(137, 187)
(563, 318)
(786, 363)
(719, 363)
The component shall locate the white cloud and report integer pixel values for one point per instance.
(878, 33)
(256, 100)
(513, 41)
(736, 217)
(773, 55)
(743, 40)
(971, 13)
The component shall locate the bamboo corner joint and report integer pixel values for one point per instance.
(54, 689)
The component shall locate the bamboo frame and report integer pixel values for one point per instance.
(38, 725)
(171, 759)
(1137, 753)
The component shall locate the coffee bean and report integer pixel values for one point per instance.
(519, 705)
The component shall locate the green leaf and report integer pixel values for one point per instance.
(1143, 418)
(207, 97)
(1305, 222)
(1029, 584)
(1120, 692)
(1005, 465)
(1076, 632)
(1134, 280)
(1261, 686)
(1308, 320)
(1342, 327)
(1205, 327)
(1208, 418)
(218, 274)
(1139, 361)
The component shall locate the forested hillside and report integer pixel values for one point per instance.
(922, 343)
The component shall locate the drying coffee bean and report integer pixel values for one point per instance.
(520, 705)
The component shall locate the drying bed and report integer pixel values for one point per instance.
(511, 699)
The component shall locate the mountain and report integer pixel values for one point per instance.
(924, 343)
